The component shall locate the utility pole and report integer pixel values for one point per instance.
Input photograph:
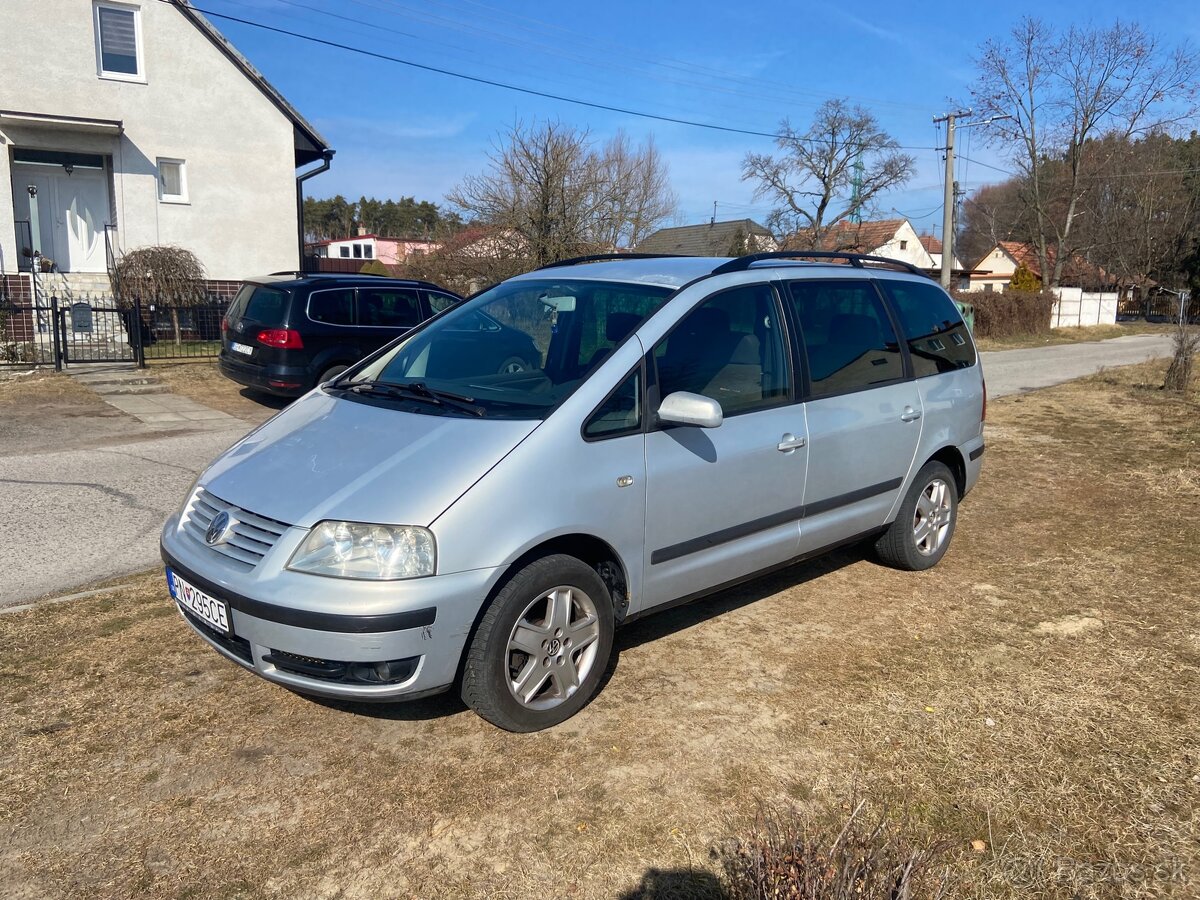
(949, 200)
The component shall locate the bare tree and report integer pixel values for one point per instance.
(812, 180)
(548, 194)
(994, 213)
(1061, 90)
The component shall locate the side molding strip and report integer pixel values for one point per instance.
(733, 533)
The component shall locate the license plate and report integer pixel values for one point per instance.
(241, 348)
(209, 609)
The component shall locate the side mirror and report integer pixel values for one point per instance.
(683, 408)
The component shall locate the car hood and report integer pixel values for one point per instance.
(330, 458)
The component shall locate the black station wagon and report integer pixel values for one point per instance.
(286, 333)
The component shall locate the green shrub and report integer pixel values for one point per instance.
(375, 267)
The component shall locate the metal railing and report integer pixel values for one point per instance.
(53, 332)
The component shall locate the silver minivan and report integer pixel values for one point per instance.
(423, 521)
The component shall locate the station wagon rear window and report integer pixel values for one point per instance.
(263, 305)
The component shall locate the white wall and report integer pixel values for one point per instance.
(194, 105)
(1076, 307)
(914, 251)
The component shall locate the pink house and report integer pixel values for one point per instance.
(391, 251)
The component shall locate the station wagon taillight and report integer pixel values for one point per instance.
(283, 338)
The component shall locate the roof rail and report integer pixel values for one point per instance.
(857, 260)
(598, 257)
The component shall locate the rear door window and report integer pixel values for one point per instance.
(440, 302)
(333, 307)
(848, 337)
(936, 334)
(388, 307)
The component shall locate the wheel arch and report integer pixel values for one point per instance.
(952, 458)
(589, 549)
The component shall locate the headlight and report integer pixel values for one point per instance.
(377, 552)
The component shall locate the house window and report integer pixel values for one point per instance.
(988, 287)
(904, 245)
(172, 181)
(358, 251)
(345, 252)
(368, 251)
(118, 42)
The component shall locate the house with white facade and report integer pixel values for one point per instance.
(890, 238)
(133, 123)
(1087, 295)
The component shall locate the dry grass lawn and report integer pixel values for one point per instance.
(1072, 335)
(1037, 692)
(203, 382)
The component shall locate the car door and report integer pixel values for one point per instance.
(862, 407)
(724, 502)
(385, 313)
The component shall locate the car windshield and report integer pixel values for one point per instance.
(515, 351)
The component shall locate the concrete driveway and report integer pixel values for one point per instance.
(71, 517)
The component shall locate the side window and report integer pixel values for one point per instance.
(334, 307)
(848, 338)
(729, 348)
(440, 302)
(388, 308)
(620, 413)
(936, 334)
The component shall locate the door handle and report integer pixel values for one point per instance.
(790, 442)
(910, 414)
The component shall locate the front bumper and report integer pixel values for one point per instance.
(283, 621)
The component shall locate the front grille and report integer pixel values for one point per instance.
(252, 536)
(239, 647)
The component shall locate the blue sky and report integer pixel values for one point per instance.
(399, 131)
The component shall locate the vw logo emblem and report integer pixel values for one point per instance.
(217, 528)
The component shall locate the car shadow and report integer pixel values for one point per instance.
(268, 401)
(677, 884)
(643, 631)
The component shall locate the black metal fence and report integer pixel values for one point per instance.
(53, 332)
(1158, 308)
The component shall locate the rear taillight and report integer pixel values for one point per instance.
(224, 326)
(283, 338)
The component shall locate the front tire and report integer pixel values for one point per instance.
(330, 373)
(921, 533)
(542, 646)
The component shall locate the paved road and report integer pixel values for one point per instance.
(70, 517)
(1017, 371)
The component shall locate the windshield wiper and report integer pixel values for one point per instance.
(418, 390)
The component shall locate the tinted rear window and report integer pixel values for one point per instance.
(936, 334)
(264, 305)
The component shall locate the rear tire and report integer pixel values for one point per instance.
(514, 365)
(924, 526)
(542, 647)
(331, 372)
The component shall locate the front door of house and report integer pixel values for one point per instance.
(71, 211)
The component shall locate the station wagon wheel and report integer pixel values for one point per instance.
(331, 372)
(931, 519)
(512, 366)
(541, 648)
(921, 533)
(552, 647)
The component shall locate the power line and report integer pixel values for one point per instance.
(1098, 175)
(512, 87)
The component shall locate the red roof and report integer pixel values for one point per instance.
(930, 243)
(1076, 269)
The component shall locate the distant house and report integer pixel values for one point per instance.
(391, 251)
(994, 271)
(892, 238)
(1087, 294)
(127, 124)
(711, 239)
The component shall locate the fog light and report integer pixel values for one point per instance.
(391, 671)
